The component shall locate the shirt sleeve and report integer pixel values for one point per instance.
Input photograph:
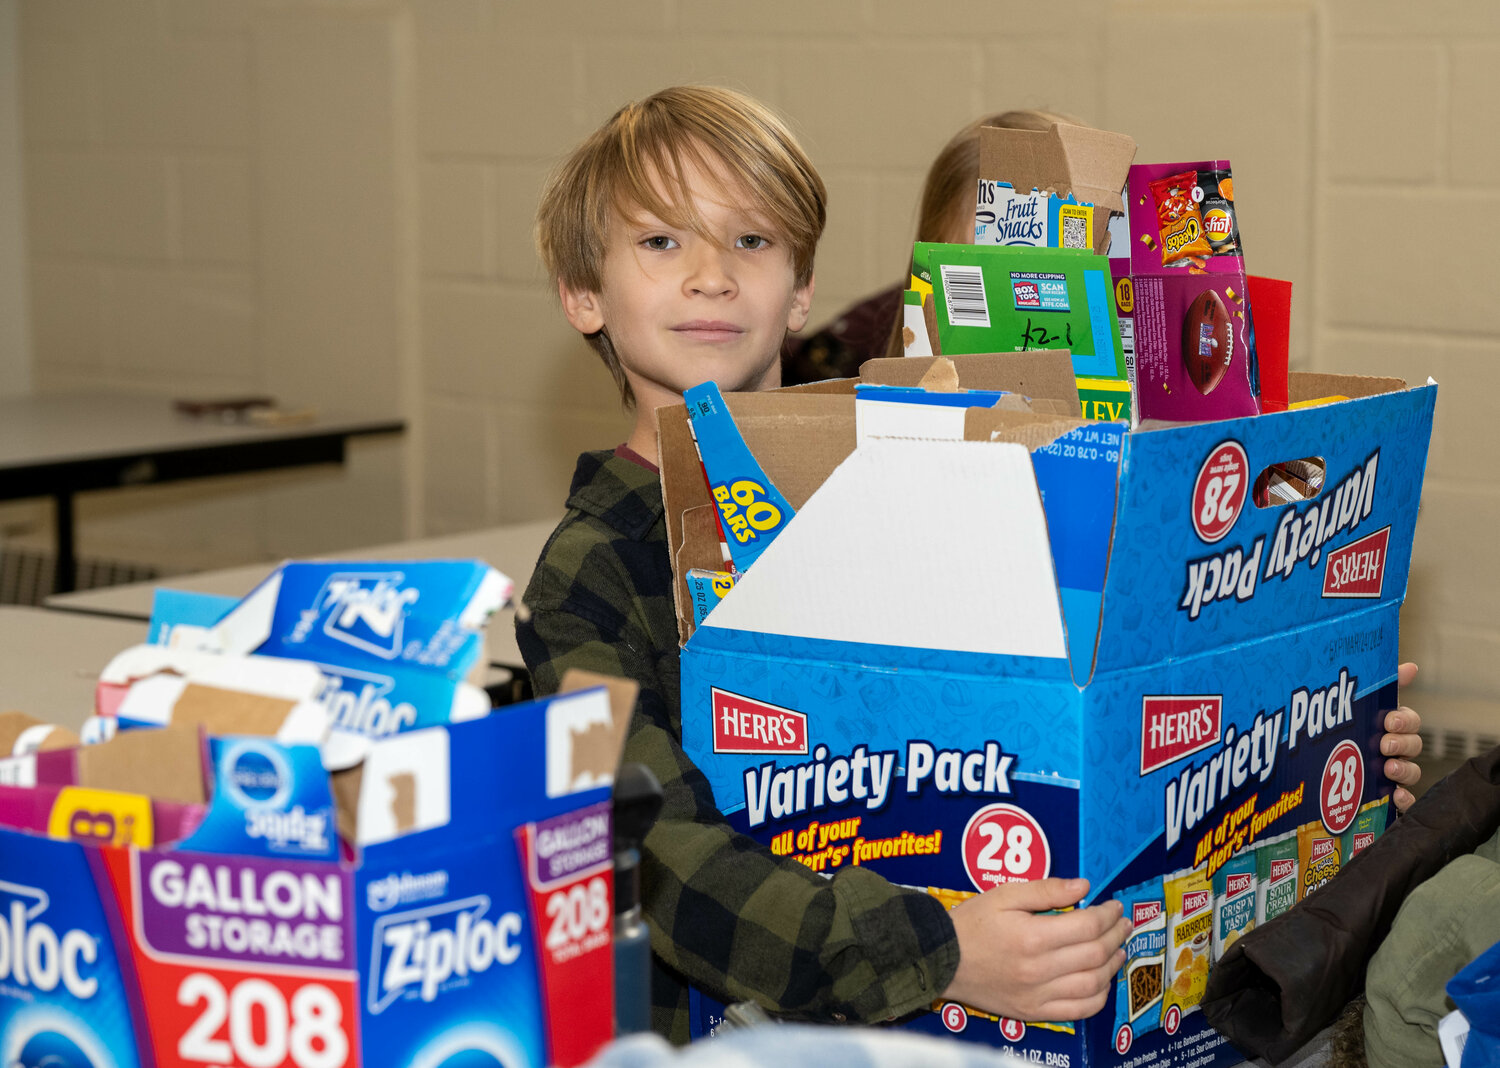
(726, 913)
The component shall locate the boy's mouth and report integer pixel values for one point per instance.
(708, 330)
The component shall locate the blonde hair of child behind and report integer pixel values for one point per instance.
(635, 162)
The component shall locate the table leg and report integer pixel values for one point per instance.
(66, 573)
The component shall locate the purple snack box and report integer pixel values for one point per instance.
(1194, 351)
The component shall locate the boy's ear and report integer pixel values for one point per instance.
(582, 308)
(802, 299)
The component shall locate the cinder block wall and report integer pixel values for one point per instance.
(332, 201)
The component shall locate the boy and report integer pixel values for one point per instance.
(681, 235)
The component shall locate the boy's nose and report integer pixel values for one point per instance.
(709, 271)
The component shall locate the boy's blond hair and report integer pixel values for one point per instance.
(616, 172)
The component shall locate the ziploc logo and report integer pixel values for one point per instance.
(357, 702)
(404, 889)
(1283, 869)
(422, 952)
(33, 955)
(1194, 902)
(1358, 569)
(1178, 726)
(743, 725)
(366, 610)
(1238, 883)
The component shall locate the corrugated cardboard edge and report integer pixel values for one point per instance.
(14, 724)
(224, 711)
(1039, 374)
(1032, 429)
(1091, 164)
(798, 436)
(165, 763)
(622, 698)
(1310, 385)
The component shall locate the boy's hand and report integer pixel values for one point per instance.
(1401, 743)
(1016, 963)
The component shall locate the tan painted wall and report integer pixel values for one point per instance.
(333, 200)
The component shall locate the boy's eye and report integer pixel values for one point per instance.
(753, 241)
(659, 242)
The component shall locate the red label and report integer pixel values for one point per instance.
(742, 725)
(1321, 847)
(1282, 869)
(1005, 844)
(1194, 902)
(1358, 569)
(1362, 841)
(1175, 727)
(573, 917)
(206, 1011)
(1220, 491)
(1238, 883)
(1146, 911)
(1343, 786)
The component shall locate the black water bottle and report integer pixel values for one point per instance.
(637, 801)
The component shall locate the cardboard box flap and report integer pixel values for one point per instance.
(1249, 572)
(165, 763)
(798, 438)
(1307, 385)
(897, 549)
(1091, 164)
(1036, 374)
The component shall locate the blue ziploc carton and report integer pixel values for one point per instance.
(469, 923)
(940, 698)
(394, 641)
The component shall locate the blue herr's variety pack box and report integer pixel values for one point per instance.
(908, 679)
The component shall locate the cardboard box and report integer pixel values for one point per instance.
(945, 713)
(474, 915)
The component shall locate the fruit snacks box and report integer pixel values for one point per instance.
(469, 921)
(911, 697)
(1193, 333)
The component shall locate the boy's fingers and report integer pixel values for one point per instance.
(1097, 957)
(1402, 798)
(1403, 720)
(1400, 744)
(1097, 925)
(1405, 674)
(1403, 771)
(1042, 894)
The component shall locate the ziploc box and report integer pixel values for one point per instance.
(472, 926)
(955, 723)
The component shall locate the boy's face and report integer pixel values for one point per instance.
(681, 309)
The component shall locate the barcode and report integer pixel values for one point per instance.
(1127, 345)
(963, 292)
(1075, 232)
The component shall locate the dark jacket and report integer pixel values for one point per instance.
(1282, 983)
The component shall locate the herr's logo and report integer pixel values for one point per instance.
(1283, 869)
(1238, 883)
(1322, 848)
(743, 725)
(1173, 727)
(1145, 911)
(366, 609)
(1358, 569)
(1194, 902)
(1362, 840)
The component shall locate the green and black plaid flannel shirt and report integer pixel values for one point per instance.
(725, 913)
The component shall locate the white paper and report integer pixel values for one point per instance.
(922, 544)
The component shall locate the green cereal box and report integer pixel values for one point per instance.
(1276, 876)
(1234, 901)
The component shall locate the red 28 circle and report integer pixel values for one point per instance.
(1220, 492)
